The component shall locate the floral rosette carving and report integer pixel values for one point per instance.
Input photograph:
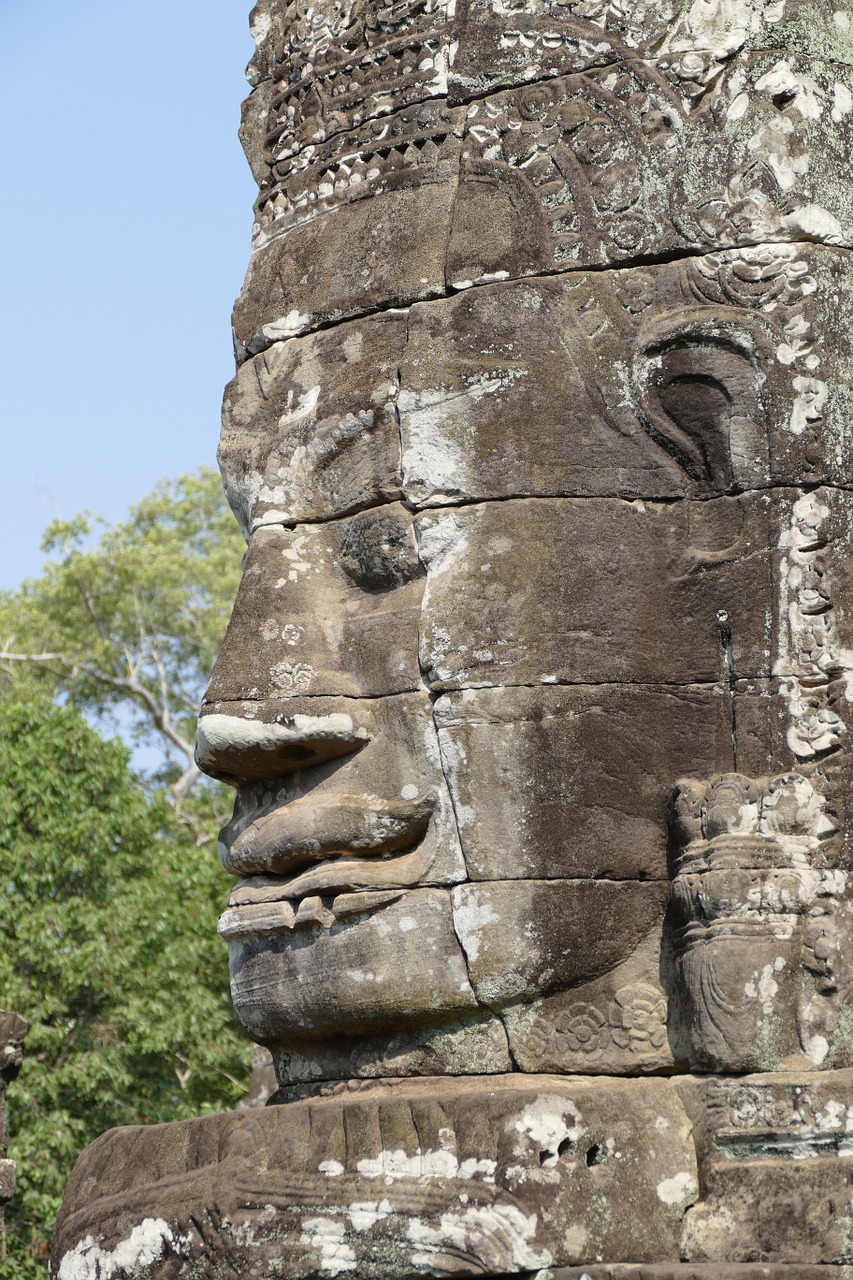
(582, 1029)
(633, 1022)
(638, 1019)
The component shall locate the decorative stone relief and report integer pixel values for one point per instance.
(762, 923)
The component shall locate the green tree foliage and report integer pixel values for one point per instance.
(109, 949)
(110, 886)
(128, 618)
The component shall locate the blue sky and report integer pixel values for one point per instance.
(124, 226)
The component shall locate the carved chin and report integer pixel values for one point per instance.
(371, 963)
(352, 973)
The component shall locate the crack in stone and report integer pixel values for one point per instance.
(433, 694)
(258, 344)
(462, 503)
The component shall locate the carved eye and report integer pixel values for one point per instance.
(377, 549)
(702, 400)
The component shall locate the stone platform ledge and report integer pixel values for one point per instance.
(691, 1271)
(498, 1175)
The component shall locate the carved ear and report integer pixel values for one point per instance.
(699, 388)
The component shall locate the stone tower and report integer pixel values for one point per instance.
(537, 688)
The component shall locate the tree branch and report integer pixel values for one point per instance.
(157, 712)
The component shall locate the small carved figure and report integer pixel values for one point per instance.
(760, 922)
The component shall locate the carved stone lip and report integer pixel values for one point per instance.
(299, 835)
(382, 849)
(255, 917)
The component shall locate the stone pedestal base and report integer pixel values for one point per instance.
(686, 1178)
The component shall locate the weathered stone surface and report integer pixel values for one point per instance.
(754, 1136)
(315, 593)
(689, 378)
(411, 1178)
(532, 937)
(763, 941)
(309, 427)
(466, 1043)
(657, 616)
(365, 961)
(700, 1271)
(384, 248)
(628, 1021)
(648, 617)
(337, 794)
(506, 1175)
(571, 772)
(617, 164)
(504, 43)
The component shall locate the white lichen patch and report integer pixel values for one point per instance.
(764, 987)
(722, 27)
(471, 915)
(778, 143)
(326, 1237)
(442, 1162)
(500, 1234)
(217, 733)
(287, 326)
(842, 102)
(681, 1189)
(434, 459)
(260, 25)
(803, 90)
(575, 1240)
(147, 1243)
(548, 1124)
(364, 1214)
(817, 1049)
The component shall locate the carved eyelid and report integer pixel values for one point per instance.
(378, 548)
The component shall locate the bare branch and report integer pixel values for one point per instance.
(159, 714)
(180, 790)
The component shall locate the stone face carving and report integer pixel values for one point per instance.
(541, 441)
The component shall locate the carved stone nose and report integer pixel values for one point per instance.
(236, 749)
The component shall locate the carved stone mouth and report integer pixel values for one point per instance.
(399, 855)
(249, 917)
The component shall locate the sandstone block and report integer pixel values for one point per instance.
(648, 617)
(326, 609)
(309, 427)
(754, 1135)
(527, 938)
(385, 250)
(503, 1175)
(684, 379)
(374, 960)
(565, 782)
